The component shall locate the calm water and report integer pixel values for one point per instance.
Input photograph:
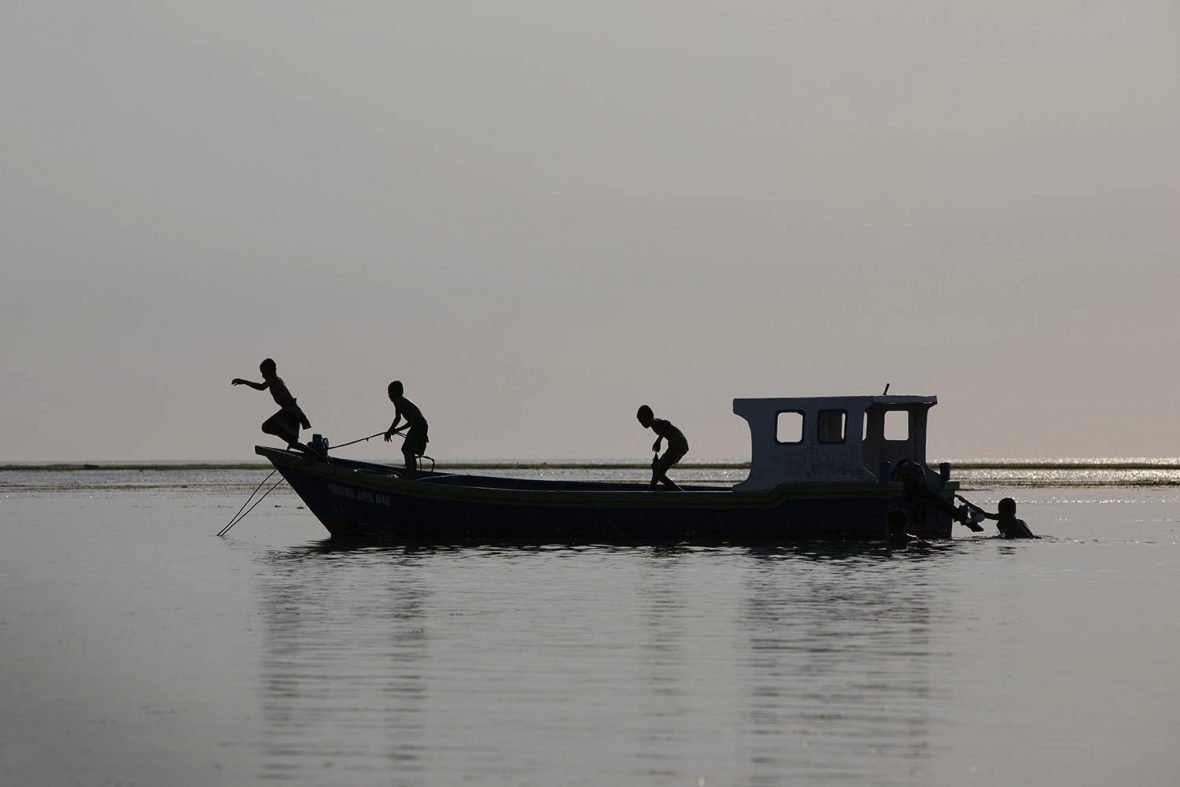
(139, 648)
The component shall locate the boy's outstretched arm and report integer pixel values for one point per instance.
(262, 386)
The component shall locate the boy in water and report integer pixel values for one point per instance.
(1007, 523)
(415, 441)
(677, 447)
(286, 422)
(898, 535)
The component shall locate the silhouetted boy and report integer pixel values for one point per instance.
(1007, 523)
(898, 522)
(677, 447)
(899, 536)
(286, 422)
(414, 444)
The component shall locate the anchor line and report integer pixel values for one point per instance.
(238, 517)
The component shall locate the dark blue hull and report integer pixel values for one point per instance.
(371, 501)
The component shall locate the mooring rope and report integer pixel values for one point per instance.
(238, 517)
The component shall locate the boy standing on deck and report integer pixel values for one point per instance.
(677, 447)
(414, 444)
(286, 422)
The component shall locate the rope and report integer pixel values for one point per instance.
(400, 433)
(359, 440)
(236, 518)
(233, 519)
(240, 516)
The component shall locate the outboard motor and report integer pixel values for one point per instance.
(319, 444)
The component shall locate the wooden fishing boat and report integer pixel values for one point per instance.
(820, 468)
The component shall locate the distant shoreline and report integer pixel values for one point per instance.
(967, 464)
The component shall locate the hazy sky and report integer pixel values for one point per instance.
(540, 214)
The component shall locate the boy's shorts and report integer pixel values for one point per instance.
(284, 424)
(416, 439)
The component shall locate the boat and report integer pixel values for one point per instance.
(821, 468)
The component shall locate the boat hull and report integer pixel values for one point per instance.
(353, 499)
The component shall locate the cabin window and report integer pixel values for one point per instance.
(831, 426)
(897, 425)
(790, 427)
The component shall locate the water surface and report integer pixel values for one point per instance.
(139, 648)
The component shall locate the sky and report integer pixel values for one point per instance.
(540, 214)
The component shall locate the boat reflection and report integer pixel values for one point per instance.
(342, 664)
(840, 649)
(804, 663)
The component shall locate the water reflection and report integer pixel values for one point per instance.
(840, 647)
(663, 663)
(342, 658)
(612, 664)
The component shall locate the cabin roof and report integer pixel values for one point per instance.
(811, 401)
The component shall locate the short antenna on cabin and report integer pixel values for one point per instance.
(886, 388)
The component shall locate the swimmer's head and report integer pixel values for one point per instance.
(1008, 506)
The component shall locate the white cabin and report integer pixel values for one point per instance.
(823, 439)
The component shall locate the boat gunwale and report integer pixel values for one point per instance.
(383, 478)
